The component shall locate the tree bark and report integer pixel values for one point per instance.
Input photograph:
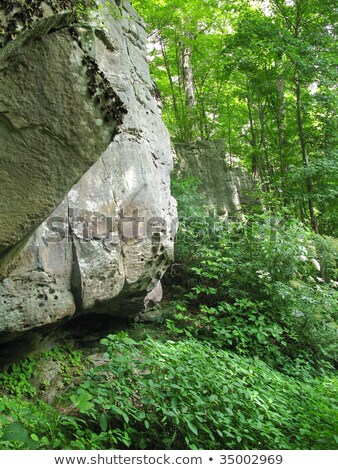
(188, 84)
(266, 168)
(303, 145)
(253, 142)
(188, 78)
(281, 111)
(172, 87)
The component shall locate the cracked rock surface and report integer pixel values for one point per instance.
(104, 245)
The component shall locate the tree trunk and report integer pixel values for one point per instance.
(281, 111)
(172, 87)
(188, 79)
(267, 170)
(253, 142)
(188, 84)
(229, 132)
(303, 145)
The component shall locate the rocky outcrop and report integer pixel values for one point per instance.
(50, 132)
(76, 94)
(227, 185)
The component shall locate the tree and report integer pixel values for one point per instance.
(262, 76)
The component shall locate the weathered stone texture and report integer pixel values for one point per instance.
(88, 256)
(50, 132)
(227, 186)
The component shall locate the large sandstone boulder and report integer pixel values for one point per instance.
(50, 132)
(76, 95)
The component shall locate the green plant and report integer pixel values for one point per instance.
(15, 380)
(84, 7)
(18, 378)
(28, 425)
(262, 285)
(70, 360)
(188, 395)
(156, 394)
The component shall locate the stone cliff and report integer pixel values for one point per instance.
(78, 115)
(226, 184)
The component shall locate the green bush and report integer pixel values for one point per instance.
(188, 395)
(248, 290)
(262, 285)
(28, 425)
(178, 395)
(16, 379)
(27, 422)
(196, 222)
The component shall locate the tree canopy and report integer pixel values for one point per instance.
(260, 74)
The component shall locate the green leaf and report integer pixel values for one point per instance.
(192, 427)
(104, 422)
(16, 432)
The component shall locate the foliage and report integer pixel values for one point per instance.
(264, 80)
(28, 425)
(16, 379)
(188, 395)
(84, 7)
(263, 285)
(26, 421)
(196, 216)
(247, 358)
(178, 395)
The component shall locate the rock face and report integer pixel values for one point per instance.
(226, 185)
(50, 133)
(76, 95)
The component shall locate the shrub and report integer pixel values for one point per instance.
(262, 285)
(16, 379)
(188, 395)
(28, 425)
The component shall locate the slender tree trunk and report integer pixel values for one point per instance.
(303, 211)
(172, 86)
(255, 156)
(263, 145)
(295, 28)
(303, 145)
(281, 112)
(188, 79)
(229, 132)
(181, 95)
(188, 84)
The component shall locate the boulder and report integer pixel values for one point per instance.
(80, 110)
(51, 132)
